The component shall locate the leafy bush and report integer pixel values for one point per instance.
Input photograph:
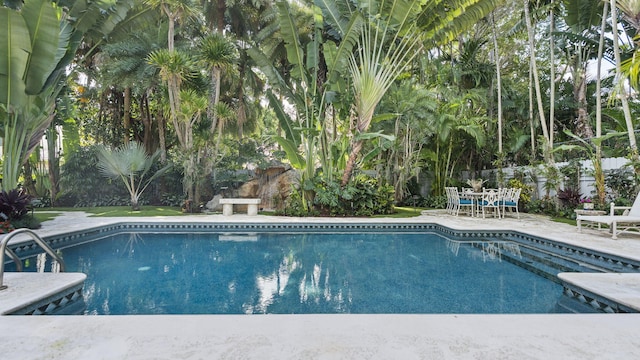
(545, 205)
(82, 185)
(525, 194)
(430, 201)
(14, 204)
(622, 186)
(363, 196)
(293, 206)
(27, 221)
(569, 197)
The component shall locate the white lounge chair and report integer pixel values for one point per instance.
(617, 223)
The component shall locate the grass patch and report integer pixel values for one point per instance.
(564, 220)
(120, 211)
(403, 212)
(45, 216)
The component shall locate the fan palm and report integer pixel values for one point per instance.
(131, 164)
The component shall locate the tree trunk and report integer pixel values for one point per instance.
(552, 74)
(214, 98)
(498, 82)
(534, 71)
(145, 117)
(126, 118)
(222, 8)
(351, 162)
(582, 125)
(161, 137)
(599, 175)
(635, 159)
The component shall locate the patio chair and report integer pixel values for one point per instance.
(629, 220)
(510, 201)
(450, 206)
(490, 200)
(459, 202)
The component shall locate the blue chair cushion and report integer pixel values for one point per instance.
(465, 202)
(510, 203)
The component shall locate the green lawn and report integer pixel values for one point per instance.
(44, 214)
(113, 211)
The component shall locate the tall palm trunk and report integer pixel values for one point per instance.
(599, 174)
(534, 72)
(552, 74)
(623, 98)
(126, 118)
(498, 81)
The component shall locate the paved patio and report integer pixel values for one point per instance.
(556, 336)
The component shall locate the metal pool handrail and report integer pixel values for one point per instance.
(4, 250)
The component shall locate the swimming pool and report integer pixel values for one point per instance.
(281, 273)
(349, 268)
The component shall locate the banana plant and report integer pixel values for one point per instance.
(38, 41)
(306, 89)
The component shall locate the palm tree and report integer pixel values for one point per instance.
(125, 66)
(380, 58)
(131, 164)
(219, 54)
(173, 64)
(174, 67)
(387, 43)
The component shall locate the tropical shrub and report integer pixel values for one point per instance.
(14, 204)
(362, 196)
(293, 205)
(525, 193)
(14, 211)
(622, 186)
(569, 197)
(82, 185)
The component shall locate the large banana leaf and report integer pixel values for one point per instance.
(295, 53)
(44, 29)
(337, 57)
(293, 153)
(273, 76)
(14, 56)
(442, 21)
(290, 130)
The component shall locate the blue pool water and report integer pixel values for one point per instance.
(292, 273)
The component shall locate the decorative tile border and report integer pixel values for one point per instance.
(597, 302)
(55, 304)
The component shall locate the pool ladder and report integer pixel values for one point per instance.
(5, 250)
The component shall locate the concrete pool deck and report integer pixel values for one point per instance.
(553, 336)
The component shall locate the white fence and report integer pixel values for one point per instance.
(587, 181)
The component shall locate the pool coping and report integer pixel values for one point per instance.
(515, 336)
(39, 293)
